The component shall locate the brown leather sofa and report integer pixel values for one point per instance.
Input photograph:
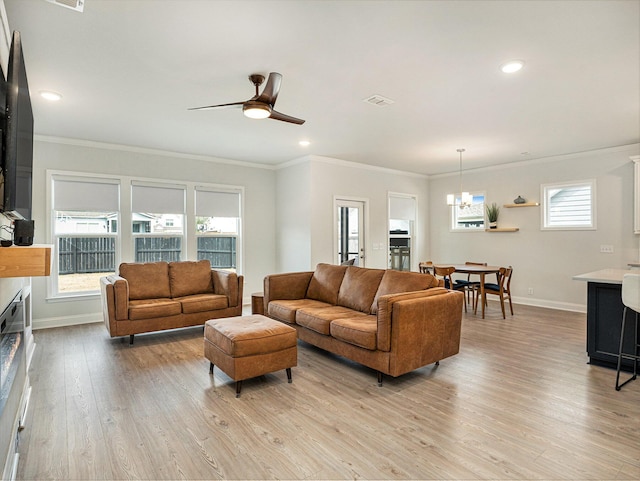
(391, 321)
(155, 296)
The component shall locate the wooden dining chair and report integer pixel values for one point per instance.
(426, 267)
(445, 272)
(502, 289)
(472, 287)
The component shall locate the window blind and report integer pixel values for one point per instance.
(217, 204)
(86, 195)
(569, 206)
(403, 208)
(158, 199)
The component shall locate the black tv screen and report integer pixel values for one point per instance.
(17, 154)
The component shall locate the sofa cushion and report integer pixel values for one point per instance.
(152, 308)
(146, 280)
(203, 303)
(189, 277)
(394, 282)
(325, 283)
(359, 287)
(319, 318)
(285, 309)
(359, 331)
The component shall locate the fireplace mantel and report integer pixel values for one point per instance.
(25, 261)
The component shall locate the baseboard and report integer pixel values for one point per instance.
(49, 322)
(561, 306)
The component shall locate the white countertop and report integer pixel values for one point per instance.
(606, 276)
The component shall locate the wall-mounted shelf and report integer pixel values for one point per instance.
(526, 204)
(503, 229)
(25, 261)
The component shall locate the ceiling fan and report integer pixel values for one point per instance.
(260, 106)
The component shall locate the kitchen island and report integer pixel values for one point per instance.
(604, 317)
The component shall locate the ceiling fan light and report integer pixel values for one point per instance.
(50, 95)
(256, 110)
(512, 66)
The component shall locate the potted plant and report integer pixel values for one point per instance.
(492, 215)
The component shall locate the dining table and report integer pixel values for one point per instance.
(478, 270)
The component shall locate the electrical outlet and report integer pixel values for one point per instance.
(606, 249)
(530, 291)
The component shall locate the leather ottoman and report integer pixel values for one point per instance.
(250, 346)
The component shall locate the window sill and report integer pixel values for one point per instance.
(89, 296)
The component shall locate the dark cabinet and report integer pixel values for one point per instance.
(604, 320)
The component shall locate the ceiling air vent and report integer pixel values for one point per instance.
(77, 5)
(378, 100)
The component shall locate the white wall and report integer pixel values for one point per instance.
(293, 214)
(259, 207)
(321, 179)
(288, 217)
(543, 260)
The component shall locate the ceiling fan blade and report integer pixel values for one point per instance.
(285, 118)
(270, 92)
(219, 106)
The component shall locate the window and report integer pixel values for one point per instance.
(569, 206)
(97, 223)
(157, 221)
(217, 227)
(469, 218)
(84, 225)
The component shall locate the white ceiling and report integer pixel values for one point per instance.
(129, 69)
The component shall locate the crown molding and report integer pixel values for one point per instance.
(348, 163)
(630, 148)
(148, 151)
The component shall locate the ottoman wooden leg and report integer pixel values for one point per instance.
(210, 368)
(238, 388)
(289, 375)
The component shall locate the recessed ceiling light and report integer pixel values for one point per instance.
(304, 143)
(50, 95)
(512, 66)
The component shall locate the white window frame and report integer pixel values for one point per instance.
(453, 211)
(159, 185)
(125, 235)
(545, 212)
(52, 280)
(239, 223)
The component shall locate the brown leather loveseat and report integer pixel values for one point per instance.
(155, 296)
(391, 321)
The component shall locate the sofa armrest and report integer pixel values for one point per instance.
(228, 284)
(424, 330)
(114, 295)
(121, 296)
(385, 308)
(291, 285)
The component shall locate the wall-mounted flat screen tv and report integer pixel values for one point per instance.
(17, 138)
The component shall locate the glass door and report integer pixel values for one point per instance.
(350, 232)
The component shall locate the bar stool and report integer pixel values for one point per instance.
(631, 300)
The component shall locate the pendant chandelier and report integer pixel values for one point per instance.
(462, 199)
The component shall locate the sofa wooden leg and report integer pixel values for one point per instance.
(131, 340)
(289, 380)
(379, 379)
(238, 388)
(437, 363)
(210, 368)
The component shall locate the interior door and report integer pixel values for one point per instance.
(350, 232)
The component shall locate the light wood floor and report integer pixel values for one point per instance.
(518, 402)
